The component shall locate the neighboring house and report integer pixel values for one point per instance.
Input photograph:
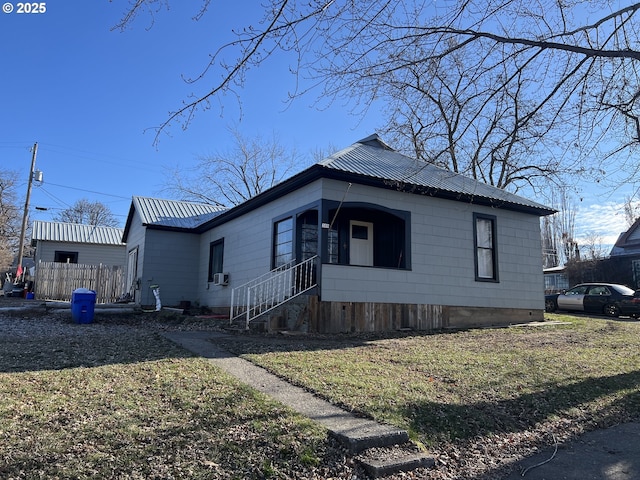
(399, 244)
(555, 280)
(623, 264)
(628, 243)
(96, 258)
(76, 243)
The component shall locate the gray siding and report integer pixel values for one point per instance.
(88, 254)
(442, 253)
(635, 236)
(136, 239)
(442, 259)
(247, 244)
(170, 260)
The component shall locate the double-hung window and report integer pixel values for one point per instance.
(282, 242)
(216, 255)
(486, 254)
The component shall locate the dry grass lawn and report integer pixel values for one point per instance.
(114, 399)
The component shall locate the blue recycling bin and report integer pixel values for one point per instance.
(83, 303)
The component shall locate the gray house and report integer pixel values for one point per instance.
(367, 240)
(70, 256)
(163, 248)
(76, 243)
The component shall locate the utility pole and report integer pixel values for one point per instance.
(26, 206)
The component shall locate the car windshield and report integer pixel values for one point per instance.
(622, 289)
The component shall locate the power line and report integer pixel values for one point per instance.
(89, 191)
(44, 209)
(53, 197)
(65, 204)
(104, 158)
(15, 145)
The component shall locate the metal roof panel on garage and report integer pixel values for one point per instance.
(76, 233)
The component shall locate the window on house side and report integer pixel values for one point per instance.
(282, 242)
(485, 244)
(65, 257)
(216, 255)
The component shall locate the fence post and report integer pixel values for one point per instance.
(97, 288)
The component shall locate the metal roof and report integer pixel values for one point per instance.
(369, 161)
(76, 233)
(371, 157)
(174, 213)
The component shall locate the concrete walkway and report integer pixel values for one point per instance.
(355, 433)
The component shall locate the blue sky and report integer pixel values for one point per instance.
(90, 96)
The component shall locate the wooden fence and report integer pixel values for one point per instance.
(57, 281)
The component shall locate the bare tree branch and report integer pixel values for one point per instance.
(228, 178)
(88, 213)
(550, 69)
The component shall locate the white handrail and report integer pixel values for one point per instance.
(273, 289)
(239, 293)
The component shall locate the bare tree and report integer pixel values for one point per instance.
(444, 114)
(592, 248)
(320, 153)
(558, 233)
(228, 178)
(631, 210)
(88, 213)
(574, 64)
(10, 218)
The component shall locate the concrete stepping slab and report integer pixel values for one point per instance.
(382, 462)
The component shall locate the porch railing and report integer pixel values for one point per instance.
(272, 289)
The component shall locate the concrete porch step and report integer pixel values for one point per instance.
(359, 434)
(381, 462)
(380, 449)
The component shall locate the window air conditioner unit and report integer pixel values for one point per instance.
(221, 279)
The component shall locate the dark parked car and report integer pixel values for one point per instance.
(603, 298)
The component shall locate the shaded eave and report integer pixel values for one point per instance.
(317, 172)
(127, 225)
(299, 180)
